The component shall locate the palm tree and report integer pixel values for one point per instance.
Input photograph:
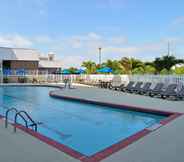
(150, 69)
(130, 64)
(72, 70)
(90, 67)
(115, 66)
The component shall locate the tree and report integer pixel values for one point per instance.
(166, 62)
(179, 70)
(165, 72)
(115, 66)
(149, 69)
(72, 70)
(138, 70)
(130, 64)
(90, 67)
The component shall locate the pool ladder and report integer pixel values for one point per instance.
(23, 115)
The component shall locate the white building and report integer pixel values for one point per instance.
(31, 60)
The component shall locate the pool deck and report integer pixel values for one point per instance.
(163, 145)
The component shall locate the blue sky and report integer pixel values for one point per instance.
(74, 29)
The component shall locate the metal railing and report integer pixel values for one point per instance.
(24, 116)
(6, 116)
(21, 114)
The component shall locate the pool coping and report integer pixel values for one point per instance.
(109, 150)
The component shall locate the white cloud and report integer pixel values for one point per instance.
(178, 21)
(75, 43)
(42, 39)
(75, 49)
(15, 41)
(119, 40)
(72, 61)
(94, 36)
(130, 51)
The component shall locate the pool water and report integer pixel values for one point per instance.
(86, 128)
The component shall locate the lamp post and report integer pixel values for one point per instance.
(100, 55)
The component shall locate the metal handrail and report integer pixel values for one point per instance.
(26, 122)
(6, 116)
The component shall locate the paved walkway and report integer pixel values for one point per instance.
(163, 145)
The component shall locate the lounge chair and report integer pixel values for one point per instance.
(116, 87)
(156, 90)
(145, 88)
(116, 83)
(170, 91)
(137, 87)
(128, 87)
(177, 95)
(180, 94)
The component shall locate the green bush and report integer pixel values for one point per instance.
(5, 80)
(22, 80)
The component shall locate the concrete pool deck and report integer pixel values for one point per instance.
(163, 145)
(22, 147)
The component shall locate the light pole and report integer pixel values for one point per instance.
(100, 55)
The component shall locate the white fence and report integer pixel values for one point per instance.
(166, 79)
(93, 79)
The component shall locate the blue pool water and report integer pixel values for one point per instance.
(83, 127)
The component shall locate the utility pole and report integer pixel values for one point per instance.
(168, 48)
(100, 55)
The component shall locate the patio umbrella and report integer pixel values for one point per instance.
(7, 72)
(20, 72)
(79, 71)
(105, 70)
(65, 71)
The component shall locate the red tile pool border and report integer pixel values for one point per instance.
(110, 150)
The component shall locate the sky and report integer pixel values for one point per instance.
(75, 29)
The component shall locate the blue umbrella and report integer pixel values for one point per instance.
(7, 72)
(65, 71)
(80, 71)
(105, 70)
(20, 72)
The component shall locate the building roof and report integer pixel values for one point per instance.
(49, 64)
(19, 54)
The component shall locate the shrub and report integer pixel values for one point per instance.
(5, 80)
(22, 80)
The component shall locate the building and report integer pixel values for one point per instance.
(30, 61)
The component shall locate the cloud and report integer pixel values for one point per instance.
(143, 51)
(177, 24)
(94, 36)
(72, 61)
(94, 40)
(15, 41)
(178, 21)
(73, 50)
(119, 40)
(43, 39)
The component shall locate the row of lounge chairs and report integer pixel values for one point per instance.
(158, 90)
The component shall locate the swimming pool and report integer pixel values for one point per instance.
(85, 128)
